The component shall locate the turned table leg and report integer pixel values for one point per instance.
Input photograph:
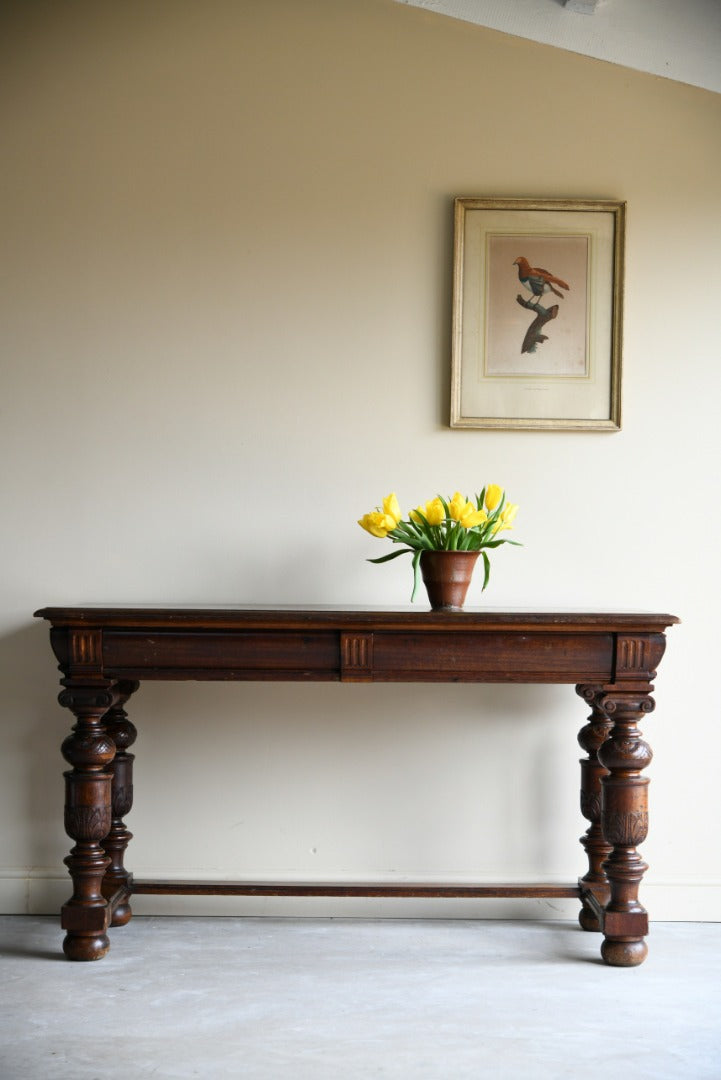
(117, 880)
(624, 820)
(90, 751)
(594, 884)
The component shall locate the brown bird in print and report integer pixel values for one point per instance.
(537, 280)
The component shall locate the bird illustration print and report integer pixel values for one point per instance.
(537, 282)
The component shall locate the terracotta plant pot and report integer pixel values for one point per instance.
(447, 575)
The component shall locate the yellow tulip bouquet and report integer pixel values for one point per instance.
(444, 524)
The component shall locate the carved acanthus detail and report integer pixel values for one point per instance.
(122, 800)
(87, 822)
(591, 805)
(626, 829)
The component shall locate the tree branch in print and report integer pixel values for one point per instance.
(533, 334)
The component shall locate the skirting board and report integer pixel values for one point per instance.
(36, 893)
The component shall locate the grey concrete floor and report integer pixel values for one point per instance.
(345, 999)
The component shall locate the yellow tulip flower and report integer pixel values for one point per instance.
(472, 517)
(507, 516)
(457, 506)
(463, 511)
(494, 494)
(380, 522)
(392, 509)
(377, 524)
(434, 511)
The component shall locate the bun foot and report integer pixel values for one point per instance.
(86, 948)
(588, 920)
(122, 915)
(624, 953)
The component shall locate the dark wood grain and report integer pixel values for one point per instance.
(383, 889)
(104, 652)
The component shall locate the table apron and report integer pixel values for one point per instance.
(379, 656)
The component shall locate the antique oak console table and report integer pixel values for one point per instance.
(105, 652)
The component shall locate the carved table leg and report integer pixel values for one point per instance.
(624, 820)
(123, 733)
(591, 737)
(90, 751)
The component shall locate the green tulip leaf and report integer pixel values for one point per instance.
(393, 555)
(487, 569)
(416, 574)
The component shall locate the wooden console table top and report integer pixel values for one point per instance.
(104, 653)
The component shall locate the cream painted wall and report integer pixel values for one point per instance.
(226, 319)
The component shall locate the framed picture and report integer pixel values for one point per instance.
(537, 314)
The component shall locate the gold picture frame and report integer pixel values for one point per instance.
(537, 314)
